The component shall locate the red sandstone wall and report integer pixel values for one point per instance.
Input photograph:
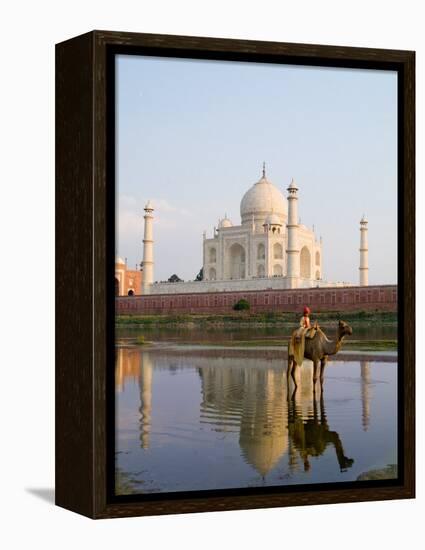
(136, 277)
(383, 298)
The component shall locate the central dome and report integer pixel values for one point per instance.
(262, 200)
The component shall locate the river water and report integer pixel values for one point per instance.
(194, 418)
(212, 334)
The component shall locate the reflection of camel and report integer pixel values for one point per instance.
(312, 436)
(317, 349)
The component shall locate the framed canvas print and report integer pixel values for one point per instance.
(235, 274)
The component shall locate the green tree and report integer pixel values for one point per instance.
(241, 305)
(175, 279)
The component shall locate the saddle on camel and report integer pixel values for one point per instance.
(305, 330)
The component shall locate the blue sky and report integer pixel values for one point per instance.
(192, 136)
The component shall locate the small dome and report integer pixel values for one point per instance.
(262, 199)
(293, 185)
(225, 222)
(272, 219)
(363, 220)
(119, 260)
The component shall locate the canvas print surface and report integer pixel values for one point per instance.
(255, 275)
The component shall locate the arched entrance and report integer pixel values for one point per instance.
(305, 263)
(236, 262)
(277, 251)
(277, 270)
(117, 287)
(261, 252)
(131, 292)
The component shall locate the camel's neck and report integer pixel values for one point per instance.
(333, 346)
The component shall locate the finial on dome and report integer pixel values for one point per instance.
(264, 169)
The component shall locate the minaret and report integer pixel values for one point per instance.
(292, 251)
(364, 265)
(148, 249)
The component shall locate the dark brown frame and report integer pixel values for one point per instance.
(81, 273)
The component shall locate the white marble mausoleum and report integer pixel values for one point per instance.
(269, 249)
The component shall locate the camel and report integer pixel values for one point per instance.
(317, 349)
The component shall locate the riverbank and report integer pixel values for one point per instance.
(246, 319)
(270, 342)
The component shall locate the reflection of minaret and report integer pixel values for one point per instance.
(127, 366)
(119, 370)
(145, 384)
(365, 377)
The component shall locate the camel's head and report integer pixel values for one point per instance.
(344, 329)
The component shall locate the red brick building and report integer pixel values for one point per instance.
(365, 298)
(128, 282)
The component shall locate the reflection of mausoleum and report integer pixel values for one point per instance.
(252, 401)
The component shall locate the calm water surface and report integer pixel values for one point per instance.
(218, 334)
(195, 419)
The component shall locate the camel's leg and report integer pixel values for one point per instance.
(322, 370)
(315, 372)
(289, 369)
(294, 373)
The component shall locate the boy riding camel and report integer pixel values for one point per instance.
(306, 329)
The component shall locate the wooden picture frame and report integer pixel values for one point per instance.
(85, 257)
